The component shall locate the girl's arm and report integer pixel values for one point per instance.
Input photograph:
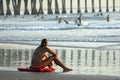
(51, 51)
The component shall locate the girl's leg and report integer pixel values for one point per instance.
(58, 62)
(47, 62)
(50, 64)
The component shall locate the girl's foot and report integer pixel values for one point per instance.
(67, 69)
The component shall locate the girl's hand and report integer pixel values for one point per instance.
(54, 55)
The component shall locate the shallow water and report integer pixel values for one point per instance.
(82, 61)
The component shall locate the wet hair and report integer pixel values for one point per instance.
(44, 42)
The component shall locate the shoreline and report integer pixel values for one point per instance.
(60, 44)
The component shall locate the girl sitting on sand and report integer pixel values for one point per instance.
(40, 60)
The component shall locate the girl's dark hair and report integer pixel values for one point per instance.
(44, 42)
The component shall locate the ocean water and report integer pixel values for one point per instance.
(34, 28)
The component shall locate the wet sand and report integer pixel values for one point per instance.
(17, 75)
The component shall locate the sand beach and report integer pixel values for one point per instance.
(16, 75)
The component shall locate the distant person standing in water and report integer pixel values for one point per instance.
(108, 18)
(79, 19)
(40, 59)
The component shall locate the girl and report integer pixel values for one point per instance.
(40, 60)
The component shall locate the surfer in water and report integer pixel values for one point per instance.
(41, 60)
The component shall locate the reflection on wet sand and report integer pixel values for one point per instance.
(81, 60)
